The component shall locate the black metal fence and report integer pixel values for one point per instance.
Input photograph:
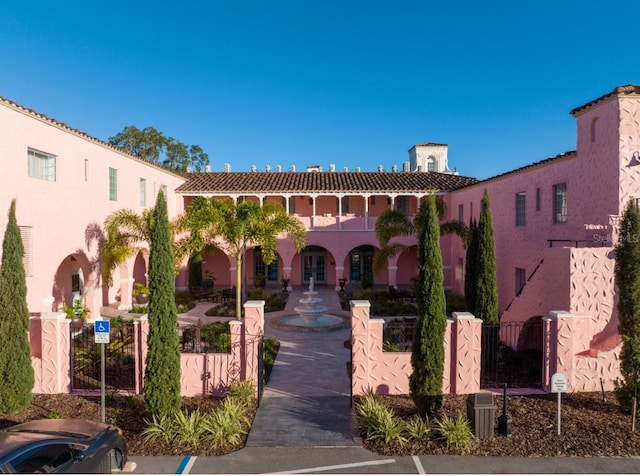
(512, 354)
(86, 357)
(398, 334)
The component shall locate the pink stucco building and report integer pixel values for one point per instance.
(555, 220)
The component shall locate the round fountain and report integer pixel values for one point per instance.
(311, 315)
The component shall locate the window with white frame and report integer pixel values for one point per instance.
(521, 201)
(41, 165)
(560, 203)
(143, 192)
(521, 280)
(113, 184)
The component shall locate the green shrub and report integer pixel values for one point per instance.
(217, 336)
(418, 429)
(139, 310)
(223, 427)
(454, 432)
(189, 427)
(377, 421)
(389, 346)
(161, 427)
(242, 391)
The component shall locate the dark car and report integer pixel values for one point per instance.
(62, 446)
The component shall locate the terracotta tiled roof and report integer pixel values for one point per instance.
(619, 91)
(318, 182)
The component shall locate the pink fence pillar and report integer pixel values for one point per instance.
(251, 338)
(566, 336)
(50, 353)
(466, 350)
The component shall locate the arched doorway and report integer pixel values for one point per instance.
(265, 273)
(361, 263)
(314, 264)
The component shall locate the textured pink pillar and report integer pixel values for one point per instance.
(126, 288)
(251, 337)
(50, 353)
(360, 346)
(466, 349)
(572, 338)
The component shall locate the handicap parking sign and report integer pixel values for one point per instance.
(102, 329)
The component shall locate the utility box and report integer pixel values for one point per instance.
(481, 413)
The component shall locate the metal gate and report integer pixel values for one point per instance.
(512, 354)
(261, 373)
(119, 358)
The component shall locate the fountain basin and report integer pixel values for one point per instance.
(321, 323)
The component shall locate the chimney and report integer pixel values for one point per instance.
(189, 169)
(394, 168)
(254, 168)
(292, 168)
(332, 167)
(380, 168)
(267, 168)
(345, 169)
(207, 168)
(406, 167)
(227, 168)
(357, 169)
(278, 168)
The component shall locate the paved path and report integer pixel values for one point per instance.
(307, 399)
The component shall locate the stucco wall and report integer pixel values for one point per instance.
(65, 217)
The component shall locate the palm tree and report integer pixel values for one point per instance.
(126, 231)
(233, 227)
(393, 223)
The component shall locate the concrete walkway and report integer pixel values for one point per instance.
(307, 399)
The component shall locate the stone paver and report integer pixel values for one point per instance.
(307, 399)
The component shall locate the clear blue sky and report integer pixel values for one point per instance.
(350, 83)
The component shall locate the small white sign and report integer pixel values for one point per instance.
(559, 383)
(102, 338)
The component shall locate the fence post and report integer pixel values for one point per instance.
(466, 350)
(50, 339)
(253, 333)
(360, 346)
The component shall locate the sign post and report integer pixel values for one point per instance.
(101, 332)
(559, 385)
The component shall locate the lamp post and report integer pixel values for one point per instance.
(504, 420)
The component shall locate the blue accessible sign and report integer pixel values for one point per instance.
(102, 329)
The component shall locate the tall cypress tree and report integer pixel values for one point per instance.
(486, 292)
(16, 372)
(162, 376)
(427, 349)
(627, 278)
(470, 266)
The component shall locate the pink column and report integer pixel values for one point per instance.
(360, 346)
(126, 288)
(50, 353)
(466, 349)
(573, 337)
(253, 334)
